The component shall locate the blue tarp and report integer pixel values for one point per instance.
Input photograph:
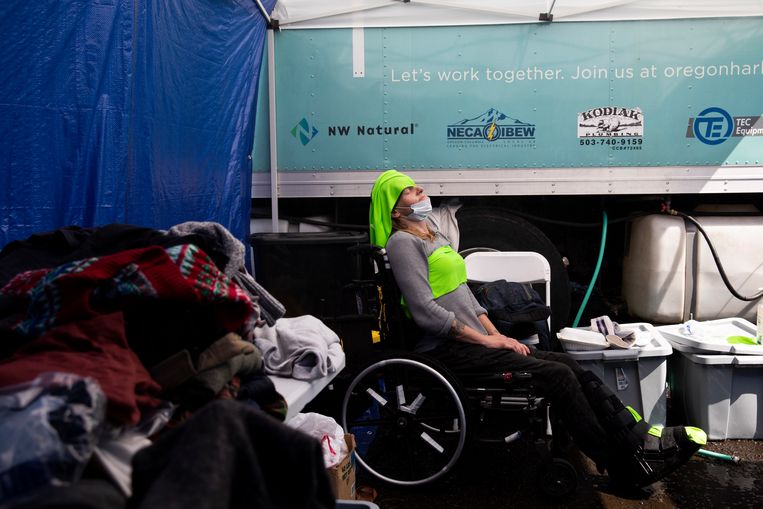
(138, 112)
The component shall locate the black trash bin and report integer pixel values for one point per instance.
(310, 272)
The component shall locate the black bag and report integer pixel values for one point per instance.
(516, 309)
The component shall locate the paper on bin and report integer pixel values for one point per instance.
(581, 339)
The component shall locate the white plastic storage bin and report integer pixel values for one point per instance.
(638, 375)
(669, 273)
(719, 393)
(712, 337)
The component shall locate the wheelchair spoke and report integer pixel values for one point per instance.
(454, 430)
(376, 396)
(400, 396)
(415, 404)
(431, 441)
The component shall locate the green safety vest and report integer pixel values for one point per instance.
(447, 271)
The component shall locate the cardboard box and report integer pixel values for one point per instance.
(342, 476)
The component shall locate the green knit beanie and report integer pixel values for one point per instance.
(384, 195)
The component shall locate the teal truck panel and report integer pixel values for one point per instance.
(558, 95)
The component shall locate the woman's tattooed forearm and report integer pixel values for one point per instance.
(457, 330)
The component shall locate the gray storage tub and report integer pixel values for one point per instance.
(719, 393)
(638, 375)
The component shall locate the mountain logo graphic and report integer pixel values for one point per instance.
(304, 132)
(491, 126)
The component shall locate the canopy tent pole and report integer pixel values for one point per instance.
(548, 15)
(272, 23)
(263, 11)
(273, 132)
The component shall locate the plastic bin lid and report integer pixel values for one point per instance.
(719, 359)
(711, 360)
(714, 334)
(680, 347)
(657, 346)
(748, 360)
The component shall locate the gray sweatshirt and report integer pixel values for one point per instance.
(408, 256)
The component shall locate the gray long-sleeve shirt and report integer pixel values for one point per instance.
(408, 258)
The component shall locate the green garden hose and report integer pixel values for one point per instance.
(596, 270)
(717, 455)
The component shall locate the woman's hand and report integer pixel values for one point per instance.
(493, 339)
(498, 340)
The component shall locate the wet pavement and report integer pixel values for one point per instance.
(497, 477)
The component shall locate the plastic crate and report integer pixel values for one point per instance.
(638, 375)
(719, 393)
(715, 339)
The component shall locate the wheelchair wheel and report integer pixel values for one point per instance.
(558, 479)
(408, 418)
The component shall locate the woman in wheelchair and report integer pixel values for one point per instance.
(458, 333)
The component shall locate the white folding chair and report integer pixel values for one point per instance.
(515, 266)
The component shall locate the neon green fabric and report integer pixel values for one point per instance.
(741, 340)
(634, 413)
(384, 195)
(696, 435)
(447, 271)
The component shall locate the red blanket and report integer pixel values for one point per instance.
(86, 288)
(95, 348)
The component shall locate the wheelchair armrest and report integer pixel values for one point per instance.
(517, 377)
(365, 249)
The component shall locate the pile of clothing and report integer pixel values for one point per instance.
(113, 336)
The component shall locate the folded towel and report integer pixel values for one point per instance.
(612, 332)
(302, 347)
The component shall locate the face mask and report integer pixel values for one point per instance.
(420, 210)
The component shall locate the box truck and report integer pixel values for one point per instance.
(532, 119)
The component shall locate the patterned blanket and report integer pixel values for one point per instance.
(85, 288)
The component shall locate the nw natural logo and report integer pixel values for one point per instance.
(491, 126)
(304, 132)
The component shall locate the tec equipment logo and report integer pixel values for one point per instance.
(712, 126)
(304, 132)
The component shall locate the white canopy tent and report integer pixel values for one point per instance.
(398, 13)
(292, 15)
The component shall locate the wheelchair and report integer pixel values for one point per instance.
(412, 418)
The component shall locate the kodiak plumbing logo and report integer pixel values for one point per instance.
(611, 122)
(611, 127)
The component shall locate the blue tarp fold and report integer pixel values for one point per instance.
(127, 111)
